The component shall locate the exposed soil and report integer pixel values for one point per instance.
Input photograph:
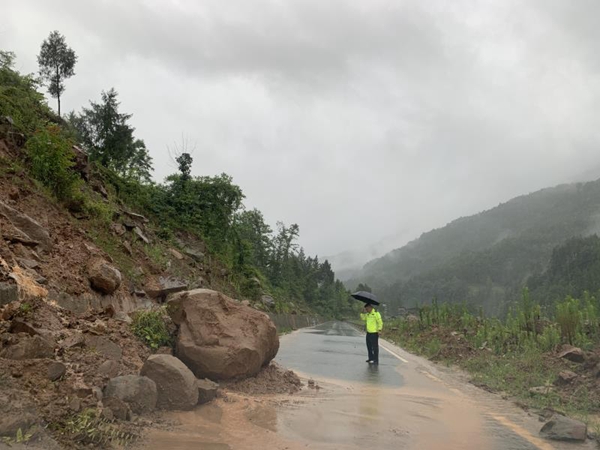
(81, 344)
(273, 379)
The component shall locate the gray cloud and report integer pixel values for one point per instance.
(413, 113)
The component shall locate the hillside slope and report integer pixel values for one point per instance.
(486, 259)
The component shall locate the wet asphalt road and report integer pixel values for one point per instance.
(404, 403)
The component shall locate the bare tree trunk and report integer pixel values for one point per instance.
(58, 88)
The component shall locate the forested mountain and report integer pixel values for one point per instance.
(486, 259)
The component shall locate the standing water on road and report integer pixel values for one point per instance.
(404, 403)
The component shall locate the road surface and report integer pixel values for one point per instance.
(404, 403)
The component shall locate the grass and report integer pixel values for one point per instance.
(151, 327)
(513, 374)
(88, 428)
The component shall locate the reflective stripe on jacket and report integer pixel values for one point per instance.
(374, 324)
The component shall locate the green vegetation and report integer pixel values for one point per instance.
(89, 428)
(511, 355)
(51, 157)
(151, 327)
(19, 97)
(21, 437)
(257, 261)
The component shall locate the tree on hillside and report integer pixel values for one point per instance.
(109, 140)
(57, 63)
(254, 236)
(7, 59)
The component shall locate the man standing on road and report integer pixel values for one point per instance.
(373, 326)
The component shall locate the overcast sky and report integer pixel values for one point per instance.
(362, 121)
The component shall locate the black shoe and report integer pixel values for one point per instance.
(371, 362)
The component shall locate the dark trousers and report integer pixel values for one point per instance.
(373, 346)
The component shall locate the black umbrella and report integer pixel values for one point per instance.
(365, 297)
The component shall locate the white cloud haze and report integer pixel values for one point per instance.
(360, 121)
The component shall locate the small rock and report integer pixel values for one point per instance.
(141, 235)
(165, 287)
(75, 404)
(118, 229)
(123, 317)
(138, 392)
(561, 428)
(27, 225)
(20, 326)
(267, 300)
(104, 277)
(573, 354)
(245, 302)
(207, 390)
(8, 293)
(99, 326)
(28, 263)
(118, 408)
(136, 216)
(540, 390)
(565, 377)
(29, 347)
(176, 254)
(104, 346)
(196, 255)
(109, 369)
(74, 340)
(97, 392)
(56, 370)
(82, 390)
(128, 248)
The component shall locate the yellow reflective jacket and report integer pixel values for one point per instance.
(373, 321)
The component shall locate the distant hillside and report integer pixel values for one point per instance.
(487, 258)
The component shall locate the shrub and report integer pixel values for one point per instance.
(51, 156)
(151, 327)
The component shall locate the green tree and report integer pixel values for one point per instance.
(254, 235)
(184, 163)
(57, 63)
(108, 138)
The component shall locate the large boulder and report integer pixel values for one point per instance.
(104, 277)
(138, 392)
(220, 338)
(175, 383)
(561, 428)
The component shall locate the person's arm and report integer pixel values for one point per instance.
(363, 316)
(379, 322)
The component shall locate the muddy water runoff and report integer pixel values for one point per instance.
(404, 403)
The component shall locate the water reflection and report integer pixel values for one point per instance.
(336, 350)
